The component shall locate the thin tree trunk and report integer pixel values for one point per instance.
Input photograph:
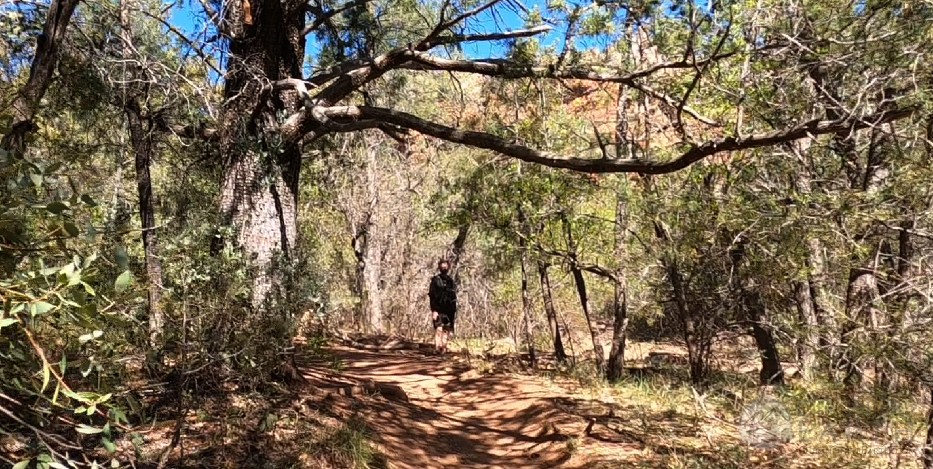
(141, 140)
(372, 290)
(862, 297)
(457, 249)
(551, 313)
(817, 281)
(864, 303)
(754, 313)
(695, 335)
(616, 367)
(580, 283)
(26, 104)
(371, 242)
(807, 348)
(771, 371)
(142, 147)
(526, 296)
(927, 452)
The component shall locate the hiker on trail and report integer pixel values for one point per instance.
(443, 296)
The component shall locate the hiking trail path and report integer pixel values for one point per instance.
(450, 415)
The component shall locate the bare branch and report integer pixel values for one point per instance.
(445, 25)
(322, 17)
(510, 70)
(44, 62)
(461, 38)
(213, 16)
(197, 50)
(631, 165)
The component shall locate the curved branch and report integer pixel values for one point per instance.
(694, 154)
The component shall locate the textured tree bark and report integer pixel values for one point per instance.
(141, 141)
(372, 242)
(26, 104)
(865, 306)
(259, 193)
(616, 367)
(817, 283)
(457, 249)
(551, 313)
(810, 294)
(142, 149)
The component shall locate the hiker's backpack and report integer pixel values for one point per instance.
(443, 292)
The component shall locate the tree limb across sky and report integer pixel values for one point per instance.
(326, 111)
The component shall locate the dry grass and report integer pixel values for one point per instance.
(655, 411)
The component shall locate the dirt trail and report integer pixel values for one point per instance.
(456, 417)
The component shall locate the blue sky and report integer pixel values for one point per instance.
(187, 16)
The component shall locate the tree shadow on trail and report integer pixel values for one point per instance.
(456, 416)
(453, 417)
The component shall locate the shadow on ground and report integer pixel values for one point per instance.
(457, 417)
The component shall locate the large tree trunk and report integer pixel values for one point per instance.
(580, 283)
(616, 366)
(26, 104)
(259, 194)
(551, 313)
(141, 140)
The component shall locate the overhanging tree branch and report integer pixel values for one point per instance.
(692, 155)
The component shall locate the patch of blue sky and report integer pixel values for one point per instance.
(189, 17)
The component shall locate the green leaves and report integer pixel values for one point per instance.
(40, 307)
(123, 281)
(88, 430)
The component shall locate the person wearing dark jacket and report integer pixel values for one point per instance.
(443, 298)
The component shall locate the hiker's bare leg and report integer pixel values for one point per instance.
(437, 333)
(445, 337)
(438, 339)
